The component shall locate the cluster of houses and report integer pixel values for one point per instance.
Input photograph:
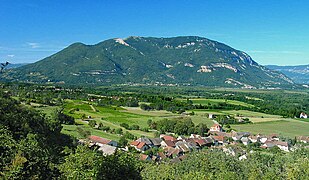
(177, 148)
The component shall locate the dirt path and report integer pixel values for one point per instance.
(93, 108)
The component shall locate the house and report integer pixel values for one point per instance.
(262, 138)
(234, 150)
(167, 137)
(273, 137)
(268, 144)
(303, 115)
(107, 149)
(208, 140)
(219, 140)
(140, 146)
(145, 157)
(195, 136)
(181, 138)
(191, 143)
(216, 128)
(172, 152)
(304, 139)
(200, 142)
(211, 116)
(183, 146)
(284, 146)
(242, 157)
(161, 155)
(254, 139)
(245, 140)
(168, 143)
(99, 141)
(236, 136)
(156, 142)
(145, 140)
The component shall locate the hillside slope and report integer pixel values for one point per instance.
(187, 60)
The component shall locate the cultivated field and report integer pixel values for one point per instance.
(114, 116)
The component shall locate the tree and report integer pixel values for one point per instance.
(83, 116)
(118, 131)
(201, 129)
(100, 125)
(83, 133)
(92, 123)
(63, 118)
(82, 164)
(125, 125)
(122, 141)
(134, 127)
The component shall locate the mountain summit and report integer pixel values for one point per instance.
(186, 60)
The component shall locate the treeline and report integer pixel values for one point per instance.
(180, 126)
(278, 102)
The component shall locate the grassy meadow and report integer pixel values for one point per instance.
(113, 116)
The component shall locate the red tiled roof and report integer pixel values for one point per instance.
(171, 138)
(98, 139)
(219, 138)
(281, 143)
(143, 157)
(200, 142)
(216, 125)
(169, 143)
(134, 143)
(141, 145)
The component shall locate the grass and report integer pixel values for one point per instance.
(114, 116)
(287, 127)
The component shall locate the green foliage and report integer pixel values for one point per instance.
(92, 123)
(118, 131)
(58, 115)
(181, 126)
(83, 164)
(214, 164)
(82, 132)
(125, 125)
(122, 141)
(31, 144)
(89, 164)
(128, 135)
(134, 127)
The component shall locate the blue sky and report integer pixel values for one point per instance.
(271, 31)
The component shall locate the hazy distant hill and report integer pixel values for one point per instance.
(10, 66)
(147, 60)
(299, 74)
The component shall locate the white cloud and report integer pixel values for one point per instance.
(11, 55)
(33, 45)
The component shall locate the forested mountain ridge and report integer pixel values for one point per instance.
(186, 60)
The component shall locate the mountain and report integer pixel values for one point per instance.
(185, 60)
(299, 74)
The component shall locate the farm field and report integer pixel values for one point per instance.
(287, 127)
(114, 116)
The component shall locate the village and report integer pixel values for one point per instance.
(176, 148)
